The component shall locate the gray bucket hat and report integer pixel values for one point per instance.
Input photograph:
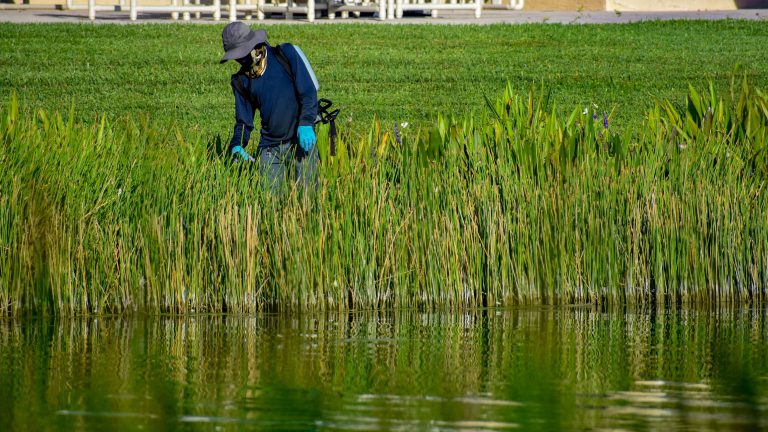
(239, 40)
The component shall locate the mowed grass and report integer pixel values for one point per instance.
(394, 73)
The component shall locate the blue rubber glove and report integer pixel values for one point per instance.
(306, 138)
(239, 153)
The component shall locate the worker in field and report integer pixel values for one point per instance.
(278, 82)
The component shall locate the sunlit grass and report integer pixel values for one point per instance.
(394, 73)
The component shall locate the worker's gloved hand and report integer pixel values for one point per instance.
(307, 138)
(239, 154)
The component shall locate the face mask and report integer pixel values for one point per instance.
(255, 63)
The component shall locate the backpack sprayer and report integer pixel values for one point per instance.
(324, 113)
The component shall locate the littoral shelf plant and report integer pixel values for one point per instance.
(519, 204)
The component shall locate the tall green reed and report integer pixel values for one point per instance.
(518, 204)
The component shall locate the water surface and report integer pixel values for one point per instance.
(529, 369)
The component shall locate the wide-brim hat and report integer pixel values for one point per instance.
(238, 40)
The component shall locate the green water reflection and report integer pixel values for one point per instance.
(541, 369)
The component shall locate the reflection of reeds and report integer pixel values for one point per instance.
(518, 205)
(513, 366)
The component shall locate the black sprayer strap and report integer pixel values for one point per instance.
(240, 88)
(283, 60)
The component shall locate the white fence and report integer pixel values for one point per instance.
(187, 8)
(312, 9)
(435, 5)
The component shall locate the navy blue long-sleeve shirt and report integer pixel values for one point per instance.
(284, 104)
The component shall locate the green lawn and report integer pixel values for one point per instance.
(396, 73)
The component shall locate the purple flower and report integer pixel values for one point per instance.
(398, 140)
(605, 121)
(594, 116)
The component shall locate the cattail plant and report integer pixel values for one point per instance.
(519, 204)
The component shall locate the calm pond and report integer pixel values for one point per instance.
(526, 369)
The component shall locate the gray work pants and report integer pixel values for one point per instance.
(288, 163)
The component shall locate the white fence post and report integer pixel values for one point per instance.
(134, 12)
(91, 9)
(232, 10)
(260, 9)
(311, 10)
(248, 12)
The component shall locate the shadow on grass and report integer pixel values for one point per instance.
(216, 149)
